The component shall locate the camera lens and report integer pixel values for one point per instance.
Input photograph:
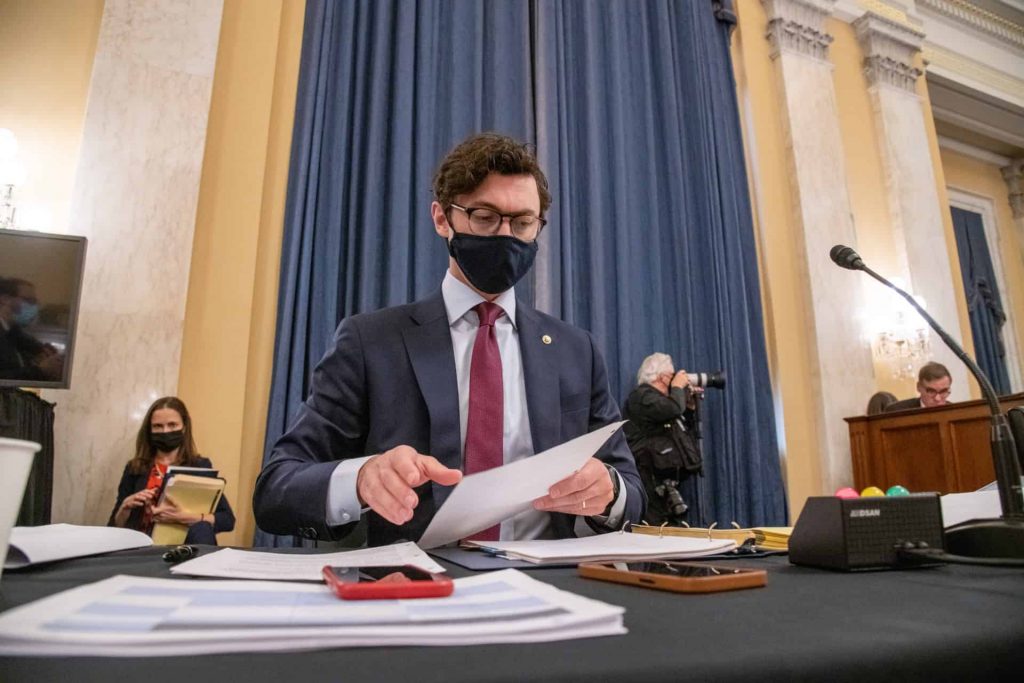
(710, 380)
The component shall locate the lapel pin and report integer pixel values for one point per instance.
(546, 339)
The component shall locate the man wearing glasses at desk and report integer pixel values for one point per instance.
(933, 383)
(411, 397)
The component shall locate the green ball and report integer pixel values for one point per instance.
(897, 490)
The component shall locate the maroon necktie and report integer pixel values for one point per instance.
(484, 426)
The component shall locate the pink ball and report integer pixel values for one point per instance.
(847, 492)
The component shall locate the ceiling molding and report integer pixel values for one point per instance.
(973, 152)
(962, 11)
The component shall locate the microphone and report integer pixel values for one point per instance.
(1003, 537)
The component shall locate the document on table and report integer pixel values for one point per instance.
(487, 498)
(250, 564)
(608, 547)
(961, 507)
(129, 616)
(36, 544)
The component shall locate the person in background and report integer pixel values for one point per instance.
(468, 378)
(22, 356)
(933, 385)
(660, 434)
(165, 439)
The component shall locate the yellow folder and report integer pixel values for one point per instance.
(198, 495)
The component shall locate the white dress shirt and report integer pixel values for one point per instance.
(459, 300)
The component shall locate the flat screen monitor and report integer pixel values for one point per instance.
(40, 285)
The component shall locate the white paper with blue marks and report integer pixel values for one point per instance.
(127, 616)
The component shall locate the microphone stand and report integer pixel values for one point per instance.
(999, 538)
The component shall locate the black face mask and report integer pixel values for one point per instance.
(166, 442)
(492, 264)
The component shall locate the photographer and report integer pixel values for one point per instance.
(660, 411)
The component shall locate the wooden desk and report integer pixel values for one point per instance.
(943, 449)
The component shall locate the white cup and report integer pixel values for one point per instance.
(15, 464)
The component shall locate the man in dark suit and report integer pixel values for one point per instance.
(410, 397)
(933, 385)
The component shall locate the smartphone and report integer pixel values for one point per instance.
(679, 577)
(386, 583)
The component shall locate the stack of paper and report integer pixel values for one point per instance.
(198, 495)
(36, 544)
(253, 564)
(607, 547)
(773, 537)
(128, 616)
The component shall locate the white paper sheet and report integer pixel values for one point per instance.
(961, 507)
(127, 616)
(250, 564)
(35, 544)
(484, 499)
(613, 546)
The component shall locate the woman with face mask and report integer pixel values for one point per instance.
(165, 439)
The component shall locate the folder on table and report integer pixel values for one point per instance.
(765, 538)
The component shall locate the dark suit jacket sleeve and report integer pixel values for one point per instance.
(616, 453)
(291, 492)
(905, 404)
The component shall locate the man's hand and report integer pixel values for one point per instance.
(386, 482)
(586, 492)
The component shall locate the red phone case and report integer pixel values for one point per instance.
(392, 587)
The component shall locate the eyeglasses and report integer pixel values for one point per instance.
(936, 392)
(487, 222)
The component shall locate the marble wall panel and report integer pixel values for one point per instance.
(916, 213)
(841, 369)
(135, 199)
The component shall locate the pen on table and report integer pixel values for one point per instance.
(493, 552)
(181, 553)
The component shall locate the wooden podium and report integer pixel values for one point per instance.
(943, 449)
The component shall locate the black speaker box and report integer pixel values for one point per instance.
(862, 533)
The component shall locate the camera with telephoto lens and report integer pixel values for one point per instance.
(677, 507)
(710, 380)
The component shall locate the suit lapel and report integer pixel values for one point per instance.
(541, 376)
(429, 345)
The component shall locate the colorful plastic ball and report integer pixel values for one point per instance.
(872, 491)
(847, 492)
(897, 490)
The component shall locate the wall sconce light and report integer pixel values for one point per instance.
(12, 172)
(901, 338)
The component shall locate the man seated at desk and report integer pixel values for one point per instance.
(471, 377)
(933, 384)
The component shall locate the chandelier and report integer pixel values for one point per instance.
(904, 347)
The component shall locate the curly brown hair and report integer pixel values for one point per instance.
(465, 167)
(144, 451)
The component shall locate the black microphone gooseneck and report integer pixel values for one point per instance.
(976, 538)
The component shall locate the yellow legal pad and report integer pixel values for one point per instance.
(198, 495)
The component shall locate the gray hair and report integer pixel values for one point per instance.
(653, 365)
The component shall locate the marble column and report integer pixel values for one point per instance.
(915, 208)
(134, 198)
(841, 369)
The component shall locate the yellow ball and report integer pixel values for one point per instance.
(872, 491)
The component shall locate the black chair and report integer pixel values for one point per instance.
(1016, 418)
(879, 401)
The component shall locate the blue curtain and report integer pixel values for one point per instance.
(632, 108)
(983, 302)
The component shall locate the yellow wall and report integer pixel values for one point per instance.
(228, 341)
(46, 56)
(985, 180)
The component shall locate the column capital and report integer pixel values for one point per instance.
(889, 50)
(798, 26)
(1013, 174)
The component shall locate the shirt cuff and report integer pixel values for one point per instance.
(613, 520)
(342, 498)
